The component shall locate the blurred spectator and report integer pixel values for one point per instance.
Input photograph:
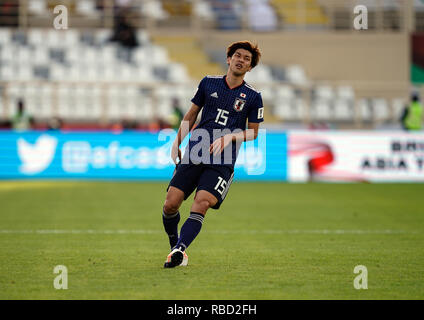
(54, 124)
(124, 33)
(21, 120)
(123, 3)
(412, 115)
(227, 13)
(261, 15)
(157, 124)
(318, 125)
(128, 124)
(5, 124)
(177, 114)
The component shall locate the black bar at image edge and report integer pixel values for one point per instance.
(212, 309)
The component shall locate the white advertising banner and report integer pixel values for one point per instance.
(349, 156)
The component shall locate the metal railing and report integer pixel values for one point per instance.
(150, 104)
(198, 15)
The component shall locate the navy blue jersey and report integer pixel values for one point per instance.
(224, 111)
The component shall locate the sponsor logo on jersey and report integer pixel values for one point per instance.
(215, 95)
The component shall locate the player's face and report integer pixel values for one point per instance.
(240, 62)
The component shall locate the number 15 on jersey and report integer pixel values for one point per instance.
(222, 117)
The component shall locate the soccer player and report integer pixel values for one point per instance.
(226, 102)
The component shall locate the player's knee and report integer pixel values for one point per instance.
(170, 207)
(202, 205)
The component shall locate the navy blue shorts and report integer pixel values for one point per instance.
(215, 179)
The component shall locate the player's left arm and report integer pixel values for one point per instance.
(249, 134)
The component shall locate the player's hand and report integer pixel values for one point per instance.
(175, 153)
(219, 144)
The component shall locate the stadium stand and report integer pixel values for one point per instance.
(305, 13)
(80, 76)
(187, 51)
(82, 62)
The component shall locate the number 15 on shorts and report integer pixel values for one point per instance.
(221, 185)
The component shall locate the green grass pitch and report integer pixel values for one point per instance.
(268, 241)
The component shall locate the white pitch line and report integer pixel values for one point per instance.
(144, 231)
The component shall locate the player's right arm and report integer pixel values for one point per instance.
(185, 127)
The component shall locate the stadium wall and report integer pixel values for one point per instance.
(362, 59)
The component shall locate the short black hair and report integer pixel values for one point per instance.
(247, 45)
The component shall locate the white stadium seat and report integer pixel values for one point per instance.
(114, 100)
(37, 36)
(284, 102)
(41, 56)
(380, 109)
(37, 7)
(55, 38)
(145, 110)
(70, 38)
(153, 9)
(299, 109)
(364, 110)
(296, 75)
(64, 101)
(158, 55)
(267, 93)
(86, 7)
(58, 72)
(107, 53)
(344, 103)
(345, 92)
(6, 72)
(24, 55)
(23, 72)
(94, 103)
(102, 36)
(203, 10)
(177, 73)
(5, 36)
(89, 54)
(324, 92)
(7, 53)
(322, 111)
(285, 92)
(322, 103)
(143, 37)
(343, 110)
(398, 104)
(140, 55)
(164, 109)
(260, 74)
(283, 110)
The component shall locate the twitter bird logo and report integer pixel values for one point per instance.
(36, 157)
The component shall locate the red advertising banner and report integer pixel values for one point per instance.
(355, 156)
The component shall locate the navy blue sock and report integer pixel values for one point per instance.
(170, 223)
(190, 230)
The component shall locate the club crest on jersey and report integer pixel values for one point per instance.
(239, 104)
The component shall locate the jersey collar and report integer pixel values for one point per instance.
(226, 84)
